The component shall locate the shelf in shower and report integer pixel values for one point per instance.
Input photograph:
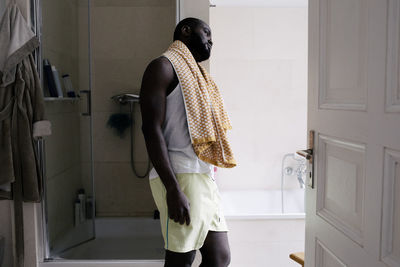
(61, 99)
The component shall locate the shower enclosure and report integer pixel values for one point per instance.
(95, 206)
(69, 189)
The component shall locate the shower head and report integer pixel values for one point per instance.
(126, 98)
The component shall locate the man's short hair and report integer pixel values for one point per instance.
(191, 22)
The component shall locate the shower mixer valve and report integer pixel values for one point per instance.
(126, 98)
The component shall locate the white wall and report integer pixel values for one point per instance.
(259, 61)
(195, 8)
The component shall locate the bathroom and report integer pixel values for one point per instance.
(97, 211)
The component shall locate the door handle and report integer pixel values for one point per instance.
(308, 154)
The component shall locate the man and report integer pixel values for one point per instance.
(184, 125)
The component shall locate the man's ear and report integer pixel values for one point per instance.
(186, 30)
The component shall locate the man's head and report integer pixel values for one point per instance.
(196, 35)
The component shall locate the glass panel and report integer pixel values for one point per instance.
(66, 78)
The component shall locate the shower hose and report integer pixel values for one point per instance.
(132, 146)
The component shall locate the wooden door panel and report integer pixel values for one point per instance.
(353, 107)
(343, 50)
(390, 250)
(393, 58)
(326, 258)
(341, 185)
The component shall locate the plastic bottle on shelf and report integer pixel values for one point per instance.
(77, 212)
(89, 208)
(82, 198)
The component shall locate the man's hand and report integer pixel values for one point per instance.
(178, 206)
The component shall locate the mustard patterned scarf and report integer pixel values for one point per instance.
(206, 115)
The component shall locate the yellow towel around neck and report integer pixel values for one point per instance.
(205, 112)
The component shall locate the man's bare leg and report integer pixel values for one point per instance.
(175, 259)
(215, 251)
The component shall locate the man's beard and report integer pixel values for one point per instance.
(197, 45)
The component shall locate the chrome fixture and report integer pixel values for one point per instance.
(299, 169)
(126, 98)
(123, 99)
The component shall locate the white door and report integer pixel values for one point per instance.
(353, 213)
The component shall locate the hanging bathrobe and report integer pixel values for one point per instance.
(21, 107)
(21, 118)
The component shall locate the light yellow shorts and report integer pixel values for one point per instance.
(205, 212)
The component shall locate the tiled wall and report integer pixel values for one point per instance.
(62, 166)
(59, 36)
(126, 36)
(259, 61)
(67, 150)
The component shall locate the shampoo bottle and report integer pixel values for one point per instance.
(82, 199)
(68, 86)
(57, 81)
(89, 208)
(77, 212)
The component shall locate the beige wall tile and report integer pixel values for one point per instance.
(62, 147)
(115, 76)
(83, 48)
(121, 32)
(86, 177)
(120, 193)
(61, 194)
(126, 36)
(85, 139)
(108, 147)
(60, 36)
(133, 3)
(125, 40)
(111, 148)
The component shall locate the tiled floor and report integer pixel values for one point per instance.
(123, 242)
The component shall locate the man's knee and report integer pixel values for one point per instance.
(175, 259)
(220, 257)
(224, 257)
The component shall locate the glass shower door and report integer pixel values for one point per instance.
(65, 54)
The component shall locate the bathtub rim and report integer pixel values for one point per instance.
(277, 216)
(100, 263)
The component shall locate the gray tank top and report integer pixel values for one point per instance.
(176, 133)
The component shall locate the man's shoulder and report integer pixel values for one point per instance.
(160, 64)
(160, 71)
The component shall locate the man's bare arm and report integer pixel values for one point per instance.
(157, 78)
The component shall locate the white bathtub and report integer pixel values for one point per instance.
(262, 231)
(263, 204)
(260, 234)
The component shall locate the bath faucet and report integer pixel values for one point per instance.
(300, 179)
(300, 170)
(126, 98)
